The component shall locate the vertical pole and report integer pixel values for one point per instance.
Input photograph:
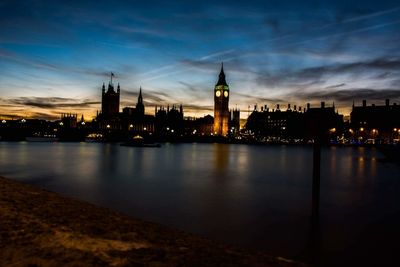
(316, 176)
(314, 242)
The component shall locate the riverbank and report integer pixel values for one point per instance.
(42, 228)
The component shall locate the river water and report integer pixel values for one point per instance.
(257, 197)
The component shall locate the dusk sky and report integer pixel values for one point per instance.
(55, 55)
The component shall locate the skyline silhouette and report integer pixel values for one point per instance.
(52, 55)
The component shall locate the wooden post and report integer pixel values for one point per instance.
(314, 242)
(316, 176)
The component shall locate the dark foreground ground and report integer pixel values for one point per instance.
(41, 228)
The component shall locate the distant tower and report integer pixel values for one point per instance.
(181, 110)
(110, 99)
(235, 120)
(221, 105)
(140, 105)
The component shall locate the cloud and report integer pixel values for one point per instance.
(370, 15)
(151, 97)
(50, 102)
(335, 86)
(344, 96)
(315, 74)
(45, 116)
(198, 108)
(259, 99)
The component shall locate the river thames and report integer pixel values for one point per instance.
(257, 197)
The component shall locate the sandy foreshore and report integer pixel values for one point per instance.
(42, 228)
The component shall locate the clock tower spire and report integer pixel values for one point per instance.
(221, 105)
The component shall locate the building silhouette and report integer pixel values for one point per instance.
(110, 99)
(375, 124)
(135, 121)
(234, 121)
(324, 123)
(69, 120)
(221, 105)
(109, 116)
(297, 123)
(276, 123)
(169, 121)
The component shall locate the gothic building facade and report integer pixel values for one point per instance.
(221, 105)
(110, 99)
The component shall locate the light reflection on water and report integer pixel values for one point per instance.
(253, 196)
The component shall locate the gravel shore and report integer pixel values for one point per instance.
(42, 228)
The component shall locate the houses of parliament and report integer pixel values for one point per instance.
(167, 120)
(376, 124)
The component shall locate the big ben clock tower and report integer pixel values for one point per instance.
(221, 105)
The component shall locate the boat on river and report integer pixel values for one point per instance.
(138, 141)
(38, 137)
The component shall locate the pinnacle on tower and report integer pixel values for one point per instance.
(111, 76)
(221, 79)
(140, 97)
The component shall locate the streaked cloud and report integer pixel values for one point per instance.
(54, 56)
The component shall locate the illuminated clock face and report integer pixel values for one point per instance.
(218, 93)
(226, 93)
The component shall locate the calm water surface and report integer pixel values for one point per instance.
(253, 196)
